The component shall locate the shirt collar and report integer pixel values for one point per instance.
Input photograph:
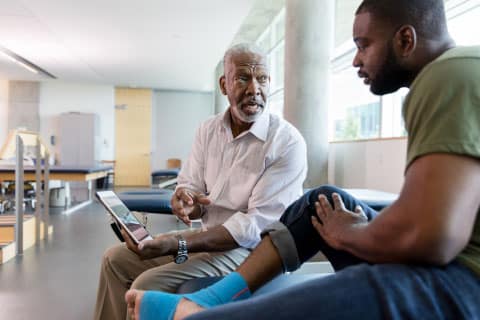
(259, 128)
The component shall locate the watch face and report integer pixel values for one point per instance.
(181, 258)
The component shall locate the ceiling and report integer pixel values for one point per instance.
(165, 44)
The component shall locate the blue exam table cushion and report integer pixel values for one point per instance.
(166, 173)
(153, 200)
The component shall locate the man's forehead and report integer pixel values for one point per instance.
(366, 25)
(361, 23)
(251, 65)
(248, 57)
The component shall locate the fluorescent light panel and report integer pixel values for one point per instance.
(12, 56)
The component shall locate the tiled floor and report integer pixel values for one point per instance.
(57, 279)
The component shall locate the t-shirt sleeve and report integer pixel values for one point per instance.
(442, 111)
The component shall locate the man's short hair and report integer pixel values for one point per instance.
(426, 16)
(242, 48)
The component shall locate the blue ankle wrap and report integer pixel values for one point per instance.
(162, 306)
(231, 288)
(158, 305)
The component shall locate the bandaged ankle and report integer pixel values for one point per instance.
(231, 288)
(159, 305)
(162, 306)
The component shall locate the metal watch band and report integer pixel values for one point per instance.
(182, 253)
(182, 245)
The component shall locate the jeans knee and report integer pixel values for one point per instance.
(327, 190)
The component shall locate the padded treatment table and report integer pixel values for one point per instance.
(148, 200)
(66, 174)
(166, 173)
(375, 199)
(158, 200)
(161, 176)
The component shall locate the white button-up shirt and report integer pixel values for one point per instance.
(251, 179)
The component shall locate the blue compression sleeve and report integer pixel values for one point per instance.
(161, 306)
(231, 288)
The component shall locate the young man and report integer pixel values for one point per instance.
(246, 166)
(418, 258)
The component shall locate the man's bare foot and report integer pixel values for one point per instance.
(185, 308)
(133, 299)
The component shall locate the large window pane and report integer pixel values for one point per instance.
(279, 27)
(277, 64)
(272, 41)
(462, 27)
(275, 103)
(354, 111)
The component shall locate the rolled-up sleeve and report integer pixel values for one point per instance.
(280, 185)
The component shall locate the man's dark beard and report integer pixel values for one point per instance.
(391, 75)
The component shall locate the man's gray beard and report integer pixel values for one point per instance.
(249, 119)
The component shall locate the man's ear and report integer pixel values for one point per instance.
(405, 40)
(222, 84)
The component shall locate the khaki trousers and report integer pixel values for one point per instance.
(122, 269)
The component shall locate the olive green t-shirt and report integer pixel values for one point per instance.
(442, 114)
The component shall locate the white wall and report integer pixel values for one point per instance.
(175, 117)
(58, 97)
(374, 164)
(3, 110)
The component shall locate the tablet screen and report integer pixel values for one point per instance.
(123, 214)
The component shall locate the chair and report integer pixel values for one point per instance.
(174, 163)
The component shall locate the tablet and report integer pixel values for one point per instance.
(123, 216)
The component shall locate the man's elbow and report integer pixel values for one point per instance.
(444, 249)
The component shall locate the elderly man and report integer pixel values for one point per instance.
(418, 258)
(246, 166)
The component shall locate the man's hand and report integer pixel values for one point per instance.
(148, 249)
(334, 224)
(186, 204)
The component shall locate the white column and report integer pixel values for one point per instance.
(309, 37)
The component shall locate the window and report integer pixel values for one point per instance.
(273, 42)
(355, 113)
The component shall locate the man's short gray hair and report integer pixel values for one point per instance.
(243, 48)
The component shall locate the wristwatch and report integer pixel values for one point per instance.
(182, 254)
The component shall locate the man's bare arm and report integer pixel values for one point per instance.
(433, 219)
(212, 240)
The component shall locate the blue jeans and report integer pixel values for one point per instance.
(297, 219)
(358, 290)
(365, 291)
